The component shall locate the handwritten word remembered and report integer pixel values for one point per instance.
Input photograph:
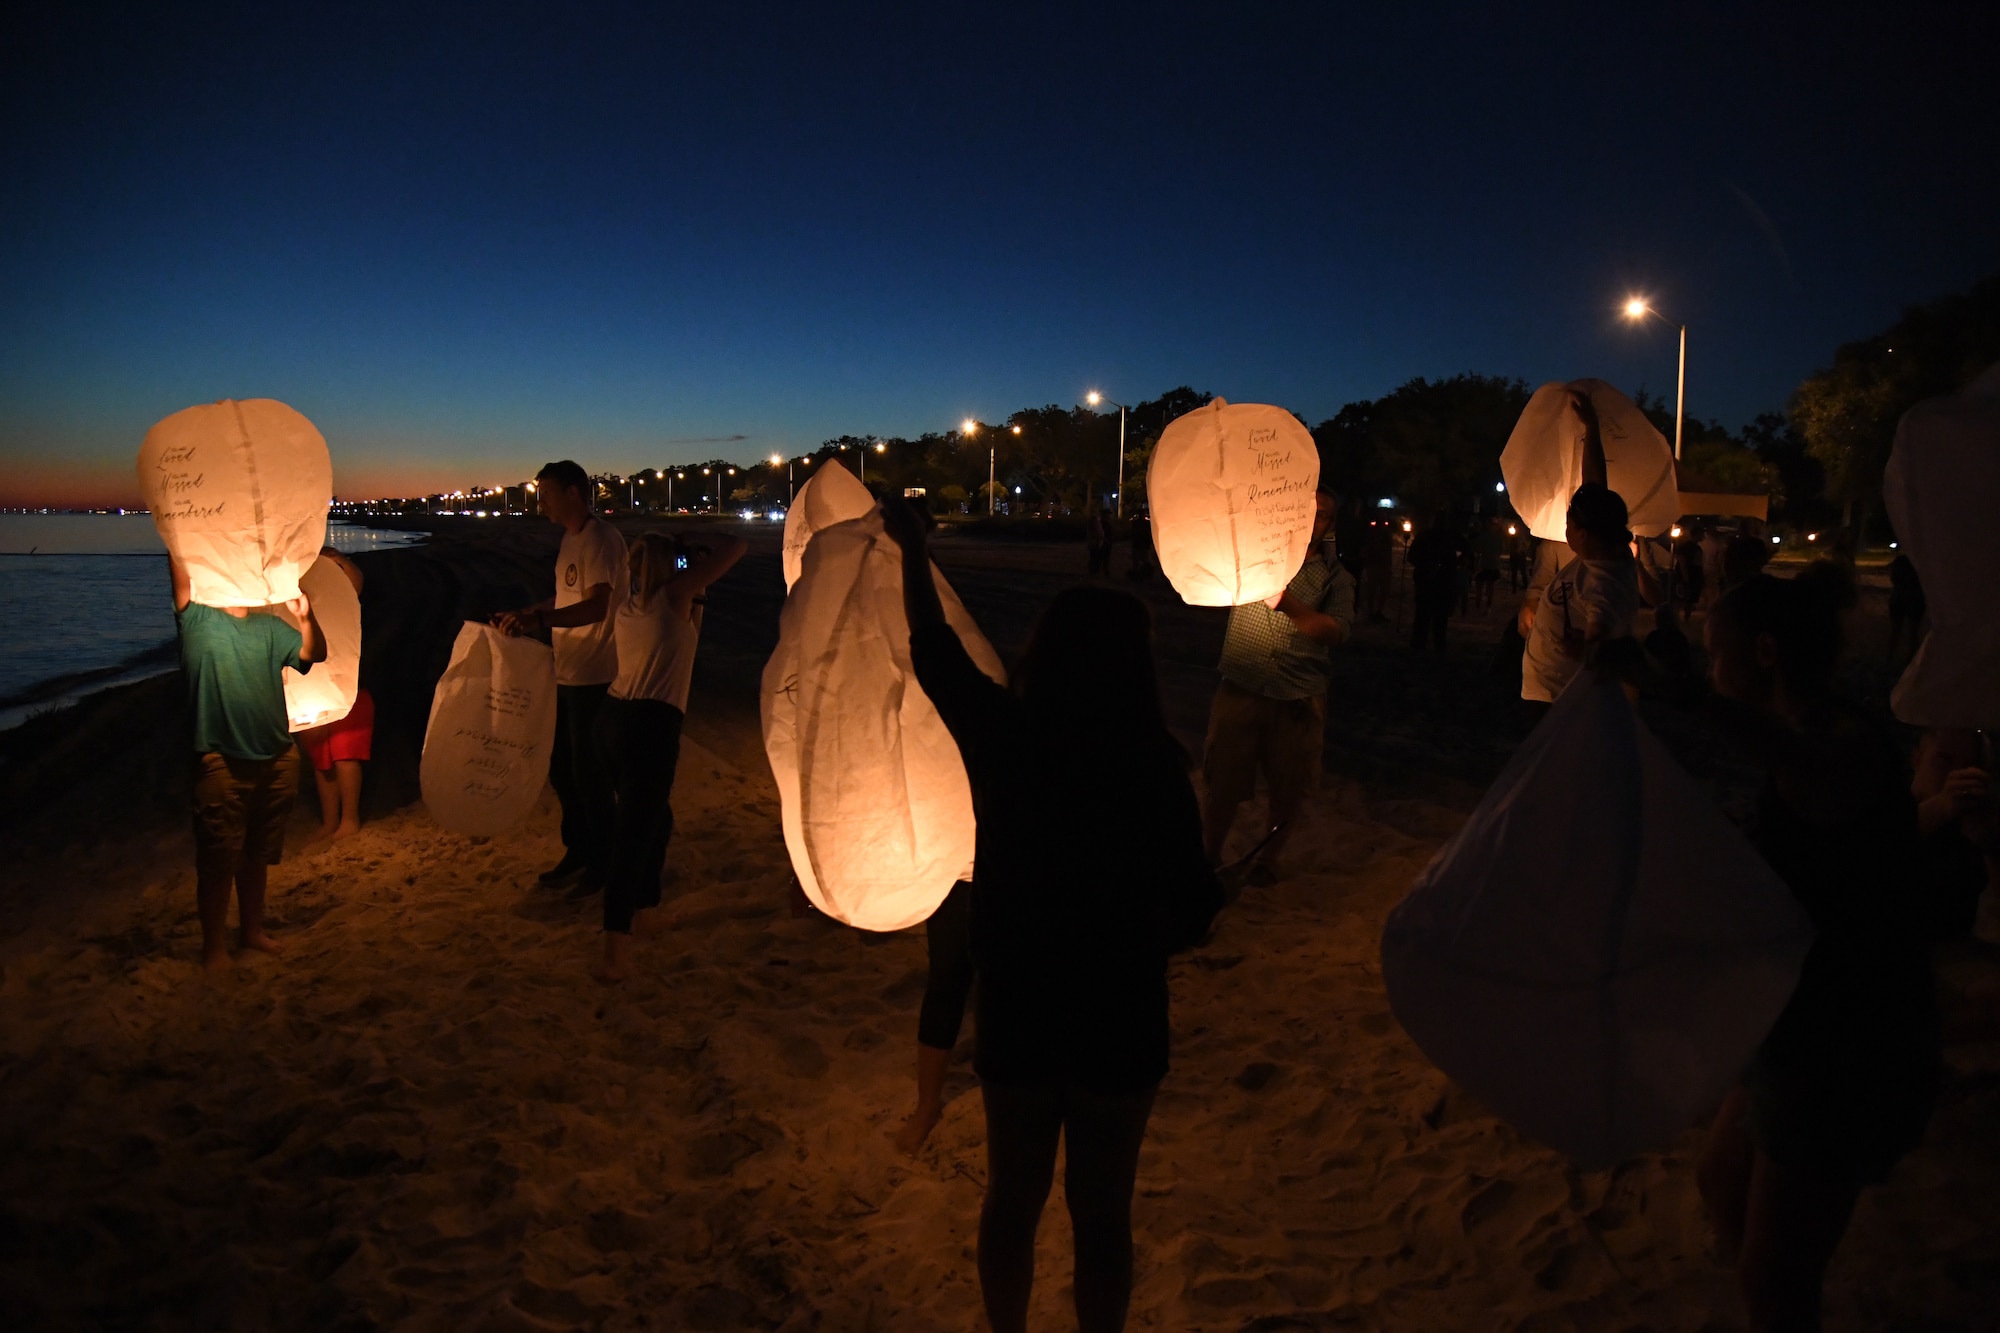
(187, 510)
(1285, 487)
(486, 791)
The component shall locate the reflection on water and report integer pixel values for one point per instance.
(94, 594)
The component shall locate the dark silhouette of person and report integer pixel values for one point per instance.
(1086, 876)
(1433, 559)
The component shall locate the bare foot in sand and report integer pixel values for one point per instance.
(916, 1129)
(216, 961)
(648, 922)
(260, 942)
(616, 965)
(326, 837)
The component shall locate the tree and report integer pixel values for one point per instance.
(1433, 443)
(1847, 413)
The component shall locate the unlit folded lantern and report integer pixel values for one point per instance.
(1942, 489)
(493, 723)
(239, 492)
(327, 692)
(1598, 951)
(1543, 461)
(829, 497)
(873, 797)
(1230, 489)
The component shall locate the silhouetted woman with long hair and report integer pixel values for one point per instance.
(1086, 875)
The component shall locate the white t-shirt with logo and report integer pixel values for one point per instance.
(594, 554)
(1589, 598)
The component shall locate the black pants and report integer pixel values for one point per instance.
(1100, 560)
(639, 742)
(578, 775)
(1433, 611)
(1103, 1135)
(948, 940)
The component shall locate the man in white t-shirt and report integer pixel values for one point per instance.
(590, 574)
(1593, 594)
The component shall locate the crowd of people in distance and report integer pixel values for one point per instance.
(1060, 940)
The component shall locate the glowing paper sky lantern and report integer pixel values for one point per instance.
(1543, 461)
(1942, 489)
(1231, 492)
(873, 797)
(239, 492)
(326, 693)
(1598, 950)
(493, 721)
(831, 496)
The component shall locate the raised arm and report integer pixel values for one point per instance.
(709, 563)
(1585, 412)
(312, 640)
(908, 529)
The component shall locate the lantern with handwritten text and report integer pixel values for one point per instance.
(239, 492)
(492, 729)
(873, 798)
(1543, 461)
(1231, 491)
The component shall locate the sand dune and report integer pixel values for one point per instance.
(425, 1115)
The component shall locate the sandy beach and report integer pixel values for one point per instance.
(426, 1115)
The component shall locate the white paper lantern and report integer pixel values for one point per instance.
(239, 492)
(1598, 951)
(1942, 490)
(492, 729)
(327, 692)
(831, 496)
(1543, 461)
(1231, 489)
(876, 809)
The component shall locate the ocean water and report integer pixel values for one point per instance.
(86, 592)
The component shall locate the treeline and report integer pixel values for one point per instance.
(1426, 445)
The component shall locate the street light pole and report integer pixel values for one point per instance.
(1637, 308)
(1118, 495)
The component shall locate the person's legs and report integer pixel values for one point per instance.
(1022, 1128)
(596, 805)
(610, 738)
(562, 776)
(654, 797)
(1792, 1225)
(1294, 746)
(328, 785)
(1724, 1175)
(347, 776)
(218, 848)
(271, 790)
(1101, 1140)
(1228, 762)
(948, 942)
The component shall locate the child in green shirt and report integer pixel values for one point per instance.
(233, 658)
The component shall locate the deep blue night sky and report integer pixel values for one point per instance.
(468, 240)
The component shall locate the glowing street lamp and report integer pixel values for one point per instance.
(1117, 496)
(1636, 309)
(970, 428)
(880, 448)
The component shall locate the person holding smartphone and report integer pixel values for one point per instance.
(638, 734)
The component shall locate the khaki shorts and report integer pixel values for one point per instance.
(1248, 734)
(241, 807)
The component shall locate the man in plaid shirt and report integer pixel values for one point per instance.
(1269, 713)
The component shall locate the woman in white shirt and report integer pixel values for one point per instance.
(657, 626)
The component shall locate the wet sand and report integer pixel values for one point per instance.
(426, 1115)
